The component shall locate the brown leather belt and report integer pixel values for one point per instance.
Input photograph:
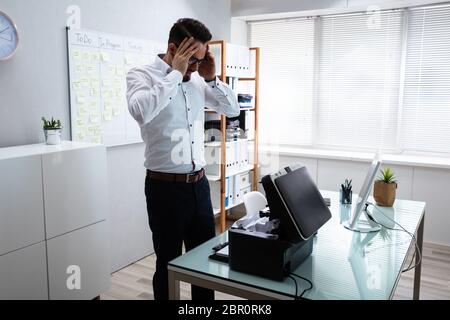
(172, 177)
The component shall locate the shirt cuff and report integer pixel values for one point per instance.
(175, 76)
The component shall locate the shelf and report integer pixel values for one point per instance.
(247, 168)
(217, 210)
(216, 178)
(218, 144)
(247, 79)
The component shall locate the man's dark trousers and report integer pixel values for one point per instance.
(178, 212)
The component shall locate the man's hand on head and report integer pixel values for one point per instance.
(207, 68)
(182, 55)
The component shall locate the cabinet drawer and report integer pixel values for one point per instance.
(23, 274)
(87, 249)
(75, 189)
(21, 204)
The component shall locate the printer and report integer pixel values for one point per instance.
(275, 243)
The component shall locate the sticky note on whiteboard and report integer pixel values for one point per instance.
(76, 55)
(79, 68)
(81, 135)
(94, 118)
(104, 56)
(86, 55)
(128, 60)
(90, 69)
(107, 116)
(116, 112)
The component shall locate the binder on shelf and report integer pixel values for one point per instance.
(227, 192)
(237, 190)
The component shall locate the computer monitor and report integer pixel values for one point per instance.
(355, 222)
(295, 200)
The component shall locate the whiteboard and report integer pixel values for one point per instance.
(98, 64)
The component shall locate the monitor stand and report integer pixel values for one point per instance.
(364, 225)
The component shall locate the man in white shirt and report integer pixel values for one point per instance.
(168, 99)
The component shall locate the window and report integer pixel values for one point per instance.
(359, 76)
(425, 112)
(287, 59)
(344, 82)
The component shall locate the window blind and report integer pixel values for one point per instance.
(359, 81)
(286, 89)
(425, 114)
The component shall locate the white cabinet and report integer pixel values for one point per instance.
(75, 184)
(83, 249)
(23, 274)
(21, 203)
(53, 214)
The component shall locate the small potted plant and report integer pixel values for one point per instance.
(385, 188)
(346, 192)
(52, 130)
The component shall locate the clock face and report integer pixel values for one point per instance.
(8, 37)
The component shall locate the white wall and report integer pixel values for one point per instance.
(246, 8)
(256, 7)
(35, 84)
(430, 185)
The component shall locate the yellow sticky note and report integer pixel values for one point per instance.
(79, 68)
(86, 55)
(97, 140)
(116, 112)
(105, 82)
(97, 131)
(105, 95)
(107, 105)
(112, 69)
(104, 56)
(84, 82)
(76, 55)
(90, 69)
(94, 83)
(94, 56)
(82, 111)
(94, 92)
(91, 130)
(80, 123)
(93, 117)
(93, 105)
(80, 100)
(128, 60)
(107, 115)
(81, 135)
(76, 85)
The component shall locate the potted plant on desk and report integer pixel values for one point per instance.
(52, 130)
(385, 187)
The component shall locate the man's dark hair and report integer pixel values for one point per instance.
(186, 28)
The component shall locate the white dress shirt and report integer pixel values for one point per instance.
(171, 114)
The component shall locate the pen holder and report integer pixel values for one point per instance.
(346, 196)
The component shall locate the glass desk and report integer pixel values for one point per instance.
(344, 264)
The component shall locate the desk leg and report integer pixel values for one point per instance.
(418, 269)
(174, 287)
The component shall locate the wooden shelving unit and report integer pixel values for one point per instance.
(255, 110)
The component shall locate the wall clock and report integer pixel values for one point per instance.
(9, 38)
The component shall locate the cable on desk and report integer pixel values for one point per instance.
(304, 279)
(417, 249)
(296, 287)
